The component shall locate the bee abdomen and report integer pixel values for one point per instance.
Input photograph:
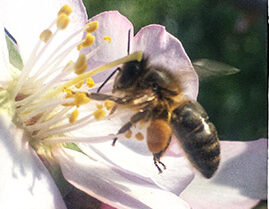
(197, 136)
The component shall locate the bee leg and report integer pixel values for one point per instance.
(134, 119)
(157, 157)
(102, 97)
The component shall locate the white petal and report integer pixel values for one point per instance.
(111, 186)
(25, 182)
(240, 181)
(25, 20)
(166, 51)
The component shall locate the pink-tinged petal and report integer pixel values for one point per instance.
(116, 26)
(166, 51)
(105, 206)
(25, 20)
(25, 182)
(112, 186)
(133, 157)
(240, 181)
(4, 60)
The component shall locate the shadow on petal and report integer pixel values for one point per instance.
(22, 174)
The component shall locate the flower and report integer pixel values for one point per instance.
(123, 176)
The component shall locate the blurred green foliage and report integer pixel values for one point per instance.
(231, 32)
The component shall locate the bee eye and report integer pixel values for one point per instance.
(155, 87)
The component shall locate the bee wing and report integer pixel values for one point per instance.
(207, 69)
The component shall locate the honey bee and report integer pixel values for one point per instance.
(158, 98)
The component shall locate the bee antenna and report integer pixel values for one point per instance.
(129, 41)
(107, 79)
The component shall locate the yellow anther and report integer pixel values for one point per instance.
(99, 114)
(45, 35)
(139, 136)
(69, 93)
(81, 99)
(91, 26)
(108, 39)
(109, 104)
(88, 41)
(80, 46)
(62, 21)
(99, 106)
(81, 64)
(66, 9)
(78, 85)
(128, 134)
(81, 69)
(90, 82)
(74, 116)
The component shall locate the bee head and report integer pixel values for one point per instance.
(129, 75)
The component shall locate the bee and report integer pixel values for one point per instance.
(158, 99)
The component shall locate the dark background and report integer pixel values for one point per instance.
(232, 32)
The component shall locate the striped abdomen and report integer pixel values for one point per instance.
(197, 136)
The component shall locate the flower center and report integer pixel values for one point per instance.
(50, 94)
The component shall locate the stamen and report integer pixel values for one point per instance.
(66, 9)
(99, 106)
(78, 85)
(45, 35)
(68, 65)
(59, 116)
(108, 39)
(65, 139)
(94, 51)
(81, 99)
(62, 21)
(91, 26)
(90, 82)
(66, 127)
(81, 64)
(33, 110)
(69, 93)
(99, 114)
(40, 91)
(60, 56)
(34, 57)
(109, 104)
(89, 39)
(74, 116)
